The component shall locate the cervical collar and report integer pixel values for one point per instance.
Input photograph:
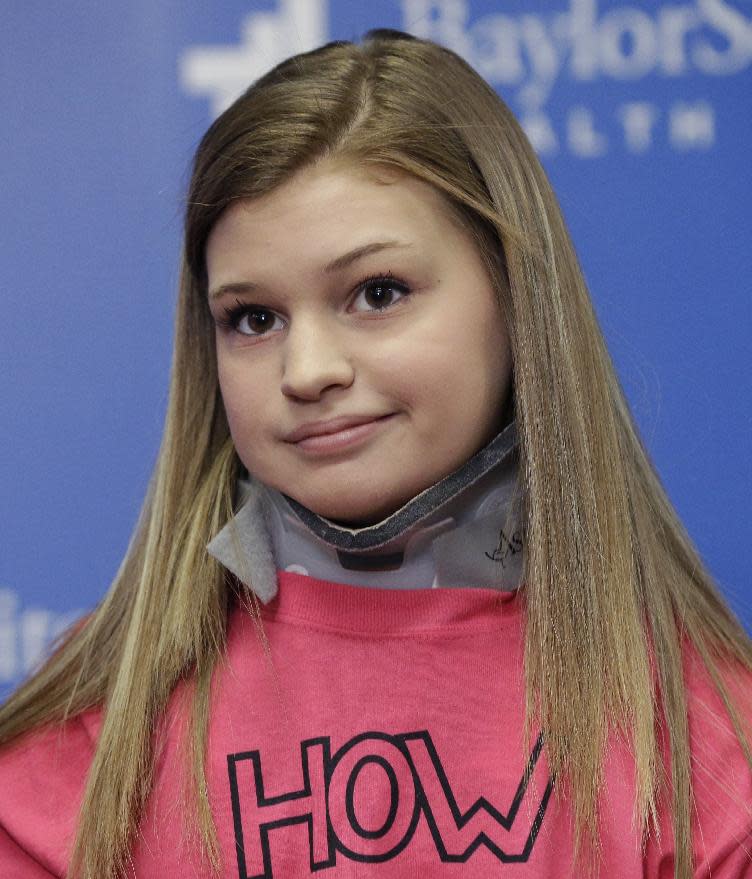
(464, 530)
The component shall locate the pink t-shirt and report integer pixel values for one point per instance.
(384, 739)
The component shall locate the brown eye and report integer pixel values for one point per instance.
(379, 294)
(247, 319)
(256, 322)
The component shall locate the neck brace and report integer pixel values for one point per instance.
(464, 530)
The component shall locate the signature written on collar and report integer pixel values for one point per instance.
(507, 547)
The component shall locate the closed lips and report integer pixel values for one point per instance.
(320, 428)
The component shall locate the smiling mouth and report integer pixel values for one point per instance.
(344, 438)
(331, 425)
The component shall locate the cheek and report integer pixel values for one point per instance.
(495, 363)
(466, 359)
(497, 349)
(416, 372)
(242, 395)
(481, 367)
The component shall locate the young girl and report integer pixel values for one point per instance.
(406, 597)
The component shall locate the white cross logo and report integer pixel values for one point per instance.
(222, 73)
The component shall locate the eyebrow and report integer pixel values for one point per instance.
(336, 265)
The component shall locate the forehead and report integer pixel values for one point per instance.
(327, 209)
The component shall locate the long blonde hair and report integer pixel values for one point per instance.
(613, 583)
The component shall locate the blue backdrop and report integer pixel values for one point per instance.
(640, 111)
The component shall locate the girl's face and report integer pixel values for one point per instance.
(346, 297)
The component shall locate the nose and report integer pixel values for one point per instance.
(315, 359)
